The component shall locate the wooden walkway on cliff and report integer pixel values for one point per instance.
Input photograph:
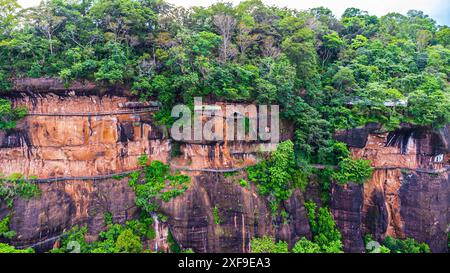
(209, 170)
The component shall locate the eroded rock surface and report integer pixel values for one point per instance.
(89, 135)
(408, 194)
(242, 215)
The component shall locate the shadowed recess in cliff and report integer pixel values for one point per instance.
(400, 138)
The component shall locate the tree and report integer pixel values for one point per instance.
(46, 21)
(8, 17)
(267, 244)
(306, 246)
(127, 242)
(423, 38)
(5, 232)
(113, 68)
(325, 233)
(245, 38)
(274, 176)
(408, 245)
(225, 24)
(123, 20)
(300, 49)
(353, 170)
(344, 79)
(429, 108)
(443, 36)
(156, 183)
(332, 44)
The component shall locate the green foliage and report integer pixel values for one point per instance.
(426, 108)
(274, 176)
(443, 36)
(108, 217)
(16, 186)
(324, 230)
(267, 244)
(306, 246)
(154, 183)
(325, 180)
(127, 242)
(127, 238)
(5, 248)
(9, 115)
(243, 183)
(73, 238)
(5, 232)
(374, 247)
(173, 245)
(391, 245)
(408, 245)
(175, 149)
(353, 170)
(339, 74)
(113, 68)
(216, 216)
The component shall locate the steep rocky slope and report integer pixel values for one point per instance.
(83, 137)
(409, 193)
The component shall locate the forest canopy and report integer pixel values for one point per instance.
(325, 73)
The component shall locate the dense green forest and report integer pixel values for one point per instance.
(325, 73)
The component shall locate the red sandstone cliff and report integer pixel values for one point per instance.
(77, 136)
(409, 193)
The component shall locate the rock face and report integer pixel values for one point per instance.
(79, 136)
(84, 139)
(408, 195)
(62, 205)
(241, 215)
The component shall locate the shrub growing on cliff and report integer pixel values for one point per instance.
(5, 248)
(426, 108)
(5, 232)
(73, 241)
(408, 245)
(275, 176)
(16, 186)
(267, 244)
(353, 170)
(305, 246)
(9, 115)
(117, 238)
(324, 230)
(216, 216)
(155, 182)
(127, 242)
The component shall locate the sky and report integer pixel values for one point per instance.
(439, 10)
